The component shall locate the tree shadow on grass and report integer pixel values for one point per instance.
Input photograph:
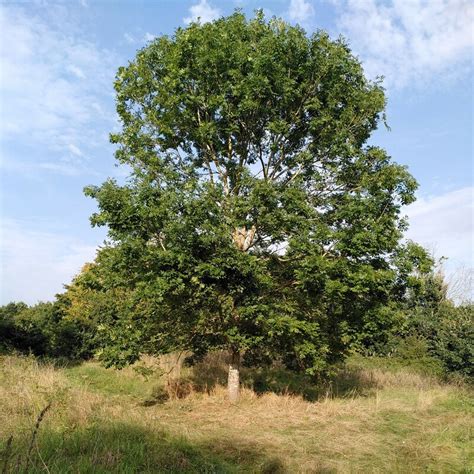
(127, 448)
(346, 382)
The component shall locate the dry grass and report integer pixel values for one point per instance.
(405, 422)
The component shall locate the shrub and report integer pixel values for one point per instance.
(43, 330)
(453, 343)
(415, 352)
(445, 331)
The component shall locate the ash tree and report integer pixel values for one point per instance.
(256, 218)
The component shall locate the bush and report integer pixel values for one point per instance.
(9, 333)
(454, 341)
(446, 333)
(422, 327)
(414, 351)
(44, 331)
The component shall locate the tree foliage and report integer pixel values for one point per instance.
(256, 218)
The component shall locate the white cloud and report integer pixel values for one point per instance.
(62, 167)
(444, 224)
(52, 84)
(67, 165)
(35, 264)
(78, 72)
(75, 150)
(416, 41)
(139, 38)
(300, 10)
(130, 39)
(203, 12)
(149, 37)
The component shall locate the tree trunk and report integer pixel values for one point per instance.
(243, 237)
(233, 382)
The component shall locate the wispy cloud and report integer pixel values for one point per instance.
(68, 164)
(77, 71)
(149, 36)
(301, 11)
(416, 42)
(129, 38)
(203, 12)
(35, 264)
(75, 150)
(56, 87)
(138, 38)
(62, 167)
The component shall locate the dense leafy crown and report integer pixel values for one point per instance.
(255, 218)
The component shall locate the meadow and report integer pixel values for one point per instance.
(373, 416)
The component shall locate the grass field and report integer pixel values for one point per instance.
(370, 418)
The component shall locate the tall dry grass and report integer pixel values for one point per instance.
(387, 421)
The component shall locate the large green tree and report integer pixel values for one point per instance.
(256, 218)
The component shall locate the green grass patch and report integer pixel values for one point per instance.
(115, 447)
(99, 379)
(424, 365)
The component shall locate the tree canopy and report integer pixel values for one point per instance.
(256, 217)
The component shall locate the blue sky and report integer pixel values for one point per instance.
(57, 64)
